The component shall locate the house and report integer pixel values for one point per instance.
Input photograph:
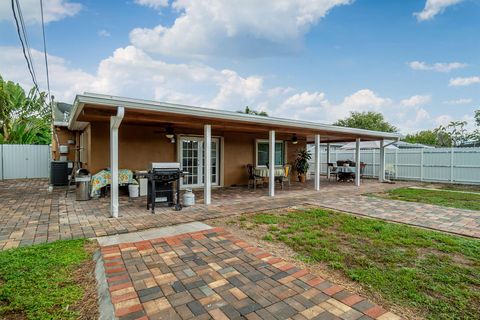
(117, 132)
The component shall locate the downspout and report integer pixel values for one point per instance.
(115, 122)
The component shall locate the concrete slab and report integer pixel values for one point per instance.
(153, 233)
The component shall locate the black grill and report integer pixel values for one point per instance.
(161, 180)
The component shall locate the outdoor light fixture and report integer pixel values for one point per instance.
(169, 134)
(294, 139)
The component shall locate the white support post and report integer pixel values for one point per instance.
(115, 122)
(207, 171)
(328, 161)
(381, 170)
(357, 162)
(317, 162)
(271, 161)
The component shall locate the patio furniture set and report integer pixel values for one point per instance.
(344, 170)
(259, 175)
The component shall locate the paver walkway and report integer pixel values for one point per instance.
(211, 275)
(453, 220)
(29, 214)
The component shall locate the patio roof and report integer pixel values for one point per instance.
(99, 107)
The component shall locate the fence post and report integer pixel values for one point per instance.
(421, 164)
(373, 162)
(451, 165)
(396, 163)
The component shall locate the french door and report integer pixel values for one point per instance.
(192, 158)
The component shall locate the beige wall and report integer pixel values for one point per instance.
(63, 135)
(141, 145)
(138, 146)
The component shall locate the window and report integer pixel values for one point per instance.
(263, 154)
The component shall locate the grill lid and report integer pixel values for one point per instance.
(155, 166)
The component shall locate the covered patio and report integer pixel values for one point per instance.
(138, 132)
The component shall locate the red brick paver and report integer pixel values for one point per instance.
(212, 275)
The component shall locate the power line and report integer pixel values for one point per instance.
(25, 48)
(45, 51)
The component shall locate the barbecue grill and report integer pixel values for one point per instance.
(161, 179)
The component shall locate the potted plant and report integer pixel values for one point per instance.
(301, 164)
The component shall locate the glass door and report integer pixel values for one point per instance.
(192, 159)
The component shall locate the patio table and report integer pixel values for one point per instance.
(345, 173)
(103, 178)
(264, 172)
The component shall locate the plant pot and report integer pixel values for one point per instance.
(302, 178)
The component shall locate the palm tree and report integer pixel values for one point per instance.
(24, 118)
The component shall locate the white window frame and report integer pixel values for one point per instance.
(200, 173)
(257, 141)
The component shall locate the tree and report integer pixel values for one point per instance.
(366, 120)
(456, 131)
(430, 137)
(477, 117)
(251, 111)
(24, 118)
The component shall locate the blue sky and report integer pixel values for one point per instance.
(416, 61)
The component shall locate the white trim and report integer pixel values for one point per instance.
(381, 173)
(139, 104)
(317, 162)
(271, 159)
(200, 184)
(115, 122)
(267, 141)
(357, 162)
(207, 181)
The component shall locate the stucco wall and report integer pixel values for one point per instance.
(64, 135)
(138, 147)
(141, 145)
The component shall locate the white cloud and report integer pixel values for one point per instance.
(461, 82)
(132, 72)
(54, 10)
(155, 4)
(434, 7)
(305, 105)
(235, 90)
(234, 28)
(416, 100)
(459, 101)
(104, 33)
(438, 67)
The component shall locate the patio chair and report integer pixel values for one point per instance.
(252, 178)
(333, 170)
(286, 177)
(340, 163)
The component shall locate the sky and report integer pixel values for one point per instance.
(415, 61)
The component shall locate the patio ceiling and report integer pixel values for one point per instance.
(99, 108)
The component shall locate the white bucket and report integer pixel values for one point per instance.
(133, 190)
(188, 198)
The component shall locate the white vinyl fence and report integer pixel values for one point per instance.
(19, 161)
(447, 165)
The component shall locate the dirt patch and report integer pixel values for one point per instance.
(254, 236)
(87, 307)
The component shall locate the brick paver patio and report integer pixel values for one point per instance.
(30, 214)
(211, 275)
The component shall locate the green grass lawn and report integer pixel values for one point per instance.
(430, 272)
(442, 198)
(37, 282)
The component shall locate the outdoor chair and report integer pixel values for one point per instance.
(252, 178)
(286, 177)
(333, 171)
